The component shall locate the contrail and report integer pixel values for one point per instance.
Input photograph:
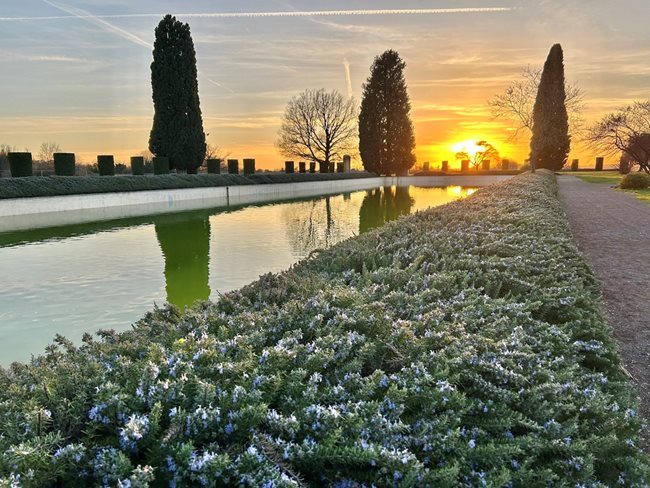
(252, 15)
(98, 21)
(348, 78)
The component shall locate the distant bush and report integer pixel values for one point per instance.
(439, 350)
(46, 186)
(64, 164)
(20, 164)
(635, 181)
(106, 165)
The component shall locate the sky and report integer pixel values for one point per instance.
(77, 72)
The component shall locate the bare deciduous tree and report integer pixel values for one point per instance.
(626, 131)
(490, 153)
(47, 150)
(516, 103)
(319, 126)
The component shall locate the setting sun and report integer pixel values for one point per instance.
(470, 147)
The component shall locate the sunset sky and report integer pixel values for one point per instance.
(77, 71)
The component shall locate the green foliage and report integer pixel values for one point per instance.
(64, 164)
(20, 164)
(635, 181)
(106, 165)
(48, 186)
(160, 165)
(177, 131)
(137, 165)
(439, 350)
(386, 138)
(550, 143)
(249, 167)
(214, 166)
(289, 167)
(233, 166)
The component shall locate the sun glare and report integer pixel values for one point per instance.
(470, 147)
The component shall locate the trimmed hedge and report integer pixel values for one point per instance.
(635, 181)
(249, 167)
(160, 165)
(233, 166)
(214, 166)
(64, 164)
(440, 350)
(106, 165)
(47, 186)
(20, 164)
(289, 167)
(137, 165)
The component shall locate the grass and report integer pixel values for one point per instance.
(460, 346)
(47, 186)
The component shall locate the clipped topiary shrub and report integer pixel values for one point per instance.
(289, 167)
(214, 166)
(635, 181)
(160, 165)
(233, 166)
(302, 167)
(106, 165)
(312, 167)
(445, 166)
(64, 164)
(574, 165)
(485, 165)
(324, 167)
(600, 162)
(339, 167)
(20, 164)
(137, 165)
(249, 166)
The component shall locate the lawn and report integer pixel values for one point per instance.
(461, 346)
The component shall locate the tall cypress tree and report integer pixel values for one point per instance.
(177, 131)
(550, 144)
(386, 139)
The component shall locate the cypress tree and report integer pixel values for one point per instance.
(177, 131)
(386, 138)
(550, 144)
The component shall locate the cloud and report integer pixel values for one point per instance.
(78, 13)
(57, 59)
(99, 21)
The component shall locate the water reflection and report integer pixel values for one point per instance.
(185, 244)
(382, 205)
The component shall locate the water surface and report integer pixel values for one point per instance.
(107, 275)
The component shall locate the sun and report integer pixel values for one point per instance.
(470, 147)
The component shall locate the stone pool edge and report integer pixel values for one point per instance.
(33, 213)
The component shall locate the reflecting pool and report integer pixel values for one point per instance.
(106, 275)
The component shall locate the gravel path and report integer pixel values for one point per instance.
(613, 230)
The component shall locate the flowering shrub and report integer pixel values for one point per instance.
(461, 346)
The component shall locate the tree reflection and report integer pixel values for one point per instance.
(185, 244)
(382, 205)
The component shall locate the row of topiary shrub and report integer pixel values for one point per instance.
(460, 346)
(46, 186)
(635, 181)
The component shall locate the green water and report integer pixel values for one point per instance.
(106, 275)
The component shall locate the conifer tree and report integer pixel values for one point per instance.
(177, 131)
(386, 138)
(550, 143)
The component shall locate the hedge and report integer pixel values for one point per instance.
(64, 164)
(44, 186)
(137, 165)
(160, 165)
(635, 181)
(460, 346)
(20, 164)
(106, 165)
